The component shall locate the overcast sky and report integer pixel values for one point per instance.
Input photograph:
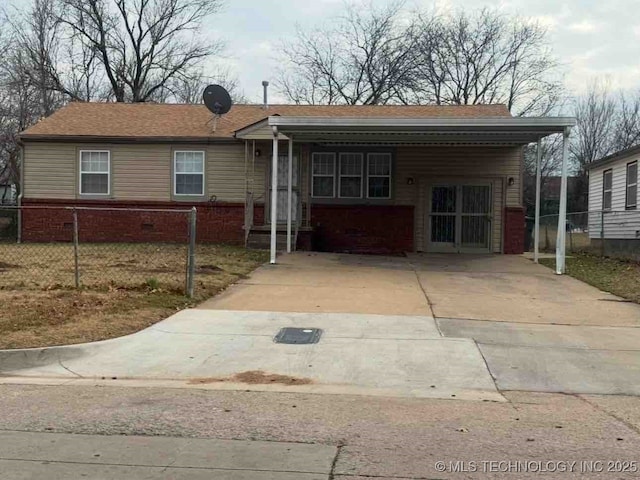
(592, 38)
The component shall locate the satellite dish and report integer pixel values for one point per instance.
(217, 99)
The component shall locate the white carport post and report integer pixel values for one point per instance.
(289, 194)
(536, 230)
(274, 196)
(562, 214)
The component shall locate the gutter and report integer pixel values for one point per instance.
(551, 123)
(126, 140)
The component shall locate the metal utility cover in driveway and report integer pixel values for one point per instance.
(298, 336)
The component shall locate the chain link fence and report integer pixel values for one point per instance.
(613, 233)
(48, 247)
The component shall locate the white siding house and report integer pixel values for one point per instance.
(613, 200)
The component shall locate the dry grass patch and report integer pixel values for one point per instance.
(125, 288)
(620, 277)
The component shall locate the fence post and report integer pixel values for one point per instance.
(191, 262)
(75, 248)
(602, 233)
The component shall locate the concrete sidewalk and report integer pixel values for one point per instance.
(219, 349)
(48, 455)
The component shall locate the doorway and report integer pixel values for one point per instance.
(459, 217)
(283, 185)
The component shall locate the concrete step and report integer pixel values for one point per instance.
(262, 240)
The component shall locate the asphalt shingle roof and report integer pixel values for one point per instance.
(149, 120)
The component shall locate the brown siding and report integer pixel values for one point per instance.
(226, 171)
(49, 170)
(138, 172)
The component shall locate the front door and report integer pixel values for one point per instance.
(459, 218)
(283, 184)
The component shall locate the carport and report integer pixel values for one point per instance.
(444, 132)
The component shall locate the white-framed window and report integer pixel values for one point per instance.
(95, 172)
(607, 187)
(379, 175)
(350, 175)
(631, 201)
(323, 170)
(188, 173)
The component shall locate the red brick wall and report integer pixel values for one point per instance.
(362, 228)
(216, 222)
(514, 229)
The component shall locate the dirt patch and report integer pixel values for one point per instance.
(254, 377)
(208, 269)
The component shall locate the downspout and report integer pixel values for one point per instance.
(21, 195)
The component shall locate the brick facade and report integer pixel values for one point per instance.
(216, 222)
(514, 229)
(374, 229)
(378, 229)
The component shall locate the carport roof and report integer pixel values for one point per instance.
(398, 131)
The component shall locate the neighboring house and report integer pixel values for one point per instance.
(613, 202)
(375, 179)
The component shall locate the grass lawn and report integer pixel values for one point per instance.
(124, 288)
(619, 277)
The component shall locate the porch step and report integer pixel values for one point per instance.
(259, 239)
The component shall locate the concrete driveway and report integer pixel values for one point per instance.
(445, 326)
(329, 283)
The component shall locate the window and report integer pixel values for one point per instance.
(94, 172)
(379, 175)
(607, 184)
(632, 186)
(323, 172)
(188, 171)
(350, 175)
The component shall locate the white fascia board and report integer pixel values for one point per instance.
(547, 123)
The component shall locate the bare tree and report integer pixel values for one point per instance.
(141, 45)
(485, 57)
(627, 131)
(607, 122)
(379, 56)
(360, 59)
(594, 134)
(189, 89)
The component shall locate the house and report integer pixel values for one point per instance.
(614, 219)
(370, 179)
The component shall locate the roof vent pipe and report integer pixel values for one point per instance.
(265, 101)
